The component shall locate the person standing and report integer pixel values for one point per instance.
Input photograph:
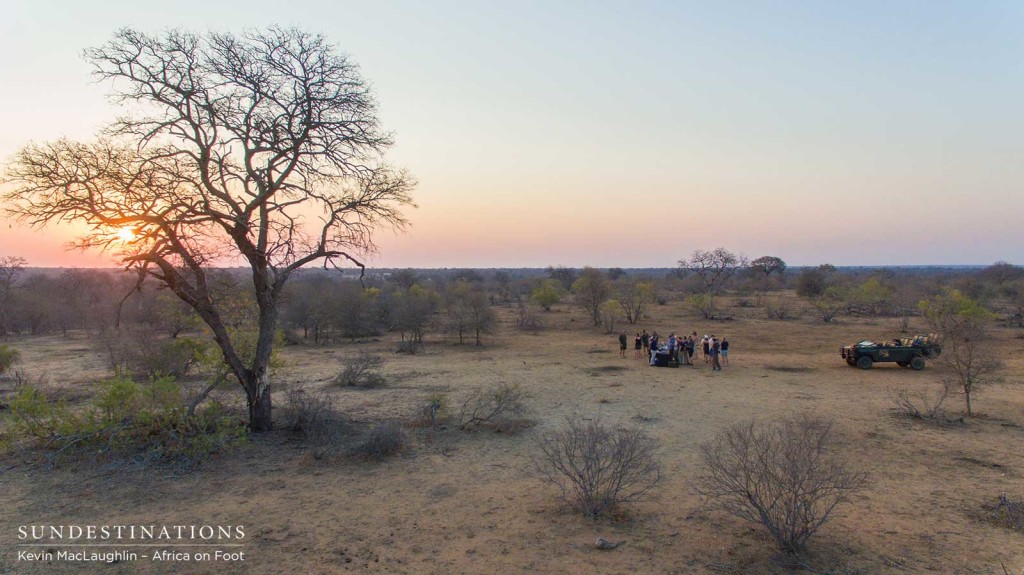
(636, 345)
(705, 346)
(654, 348)
(645, 339)
(716, 350)
(672, 347)
(684, 350)
(622, 344)
(725, 351)
(692, 348)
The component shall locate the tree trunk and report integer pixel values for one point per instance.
(967, 396)
(258, 396)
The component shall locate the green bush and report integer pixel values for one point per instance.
(125, 421)
(8, 358)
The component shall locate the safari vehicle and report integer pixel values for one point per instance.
(907, 352)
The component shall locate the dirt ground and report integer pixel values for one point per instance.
(458, 502)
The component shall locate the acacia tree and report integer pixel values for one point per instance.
(262, 147)
(714, 268)
(768, 265)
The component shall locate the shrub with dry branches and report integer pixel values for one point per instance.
(922, 405)
(362, 370)
(500, 409)
(597, 466)
(784, 476)
(384, 440)
(312, 415)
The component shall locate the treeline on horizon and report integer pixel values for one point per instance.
(324, 306)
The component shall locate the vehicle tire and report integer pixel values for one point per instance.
(903, 363)
(864, 362)
(917, 364)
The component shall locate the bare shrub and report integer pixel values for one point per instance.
(384, 440)
(597, 467)
(501, 408)
(409, 347)
(528, 319)
(21, 377)
(784, 476)
(362, 370)
(312, 415)
(922, 405)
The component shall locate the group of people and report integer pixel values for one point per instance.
(679, 350)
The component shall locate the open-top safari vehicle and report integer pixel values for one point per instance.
(906, 352)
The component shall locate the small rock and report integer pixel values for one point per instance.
(605, 545)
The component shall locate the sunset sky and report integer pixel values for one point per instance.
(625, 134)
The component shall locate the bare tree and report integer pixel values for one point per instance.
(715, 268)
(783, 476)
(262, 147)
(11, 267)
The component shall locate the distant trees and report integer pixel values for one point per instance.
(413, 312)
(11, 267)
(563, 275)
(1000, 273)
(590, 291)
(812, 282)
(469, 311)
(1014, 294)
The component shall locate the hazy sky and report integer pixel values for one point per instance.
(615, 134)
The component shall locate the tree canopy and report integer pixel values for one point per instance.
(262, 147)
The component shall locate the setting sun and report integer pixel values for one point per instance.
(126, 234)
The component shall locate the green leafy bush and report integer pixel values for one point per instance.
(8, 358)
(145, 423)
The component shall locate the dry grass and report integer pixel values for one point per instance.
(461, 503)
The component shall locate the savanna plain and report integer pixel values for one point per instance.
(455, 501)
